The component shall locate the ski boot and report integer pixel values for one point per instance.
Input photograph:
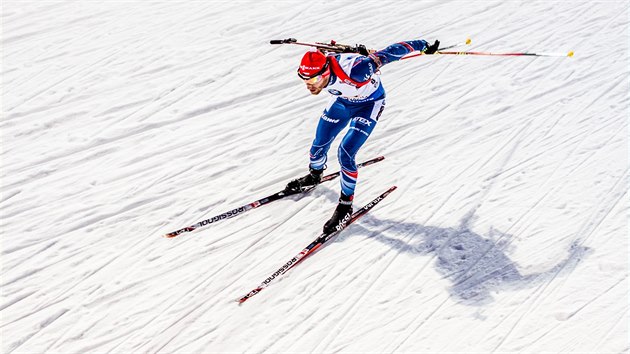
(303, 183)
(341, 216)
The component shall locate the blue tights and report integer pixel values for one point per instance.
(362, 118)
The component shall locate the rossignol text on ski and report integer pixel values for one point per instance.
(260, 202)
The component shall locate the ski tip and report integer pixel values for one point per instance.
(468, 41)
(241, 300)
(169, 235)
(570, 55)
(249, 294)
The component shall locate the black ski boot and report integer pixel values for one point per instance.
(302, 183)
(342, 214)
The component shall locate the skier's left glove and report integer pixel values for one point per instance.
(432, 48)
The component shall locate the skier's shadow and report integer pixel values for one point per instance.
(476, 265)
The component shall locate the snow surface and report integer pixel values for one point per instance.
(122, 121)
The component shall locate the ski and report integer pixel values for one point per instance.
(313, 246)
(260, 202)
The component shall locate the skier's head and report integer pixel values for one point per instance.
(314, 70)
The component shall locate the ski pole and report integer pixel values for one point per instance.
(569, 54)
(468, 41)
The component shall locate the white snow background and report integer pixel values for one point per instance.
(122, 121)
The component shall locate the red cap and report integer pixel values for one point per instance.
(313, 63)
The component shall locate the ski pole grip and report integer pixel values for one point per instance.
(283, 41)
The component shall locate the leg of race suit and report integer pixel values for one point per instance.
(361, 127)
(334, 119)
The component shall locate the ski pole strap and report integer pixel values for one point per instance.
(467, 42)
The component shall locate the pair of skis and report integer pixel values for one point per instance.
(310, 248)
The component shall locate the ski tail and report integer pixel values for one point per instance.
(313, 246)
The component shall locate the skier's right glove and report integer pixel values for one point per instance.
(432, 48)
(362, 49)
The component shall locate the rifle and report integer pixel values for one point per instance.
(328, 47)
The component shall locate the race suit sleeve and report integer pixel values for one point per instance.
(365, 67)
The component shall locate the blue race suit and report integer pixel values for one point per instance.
(358, 98)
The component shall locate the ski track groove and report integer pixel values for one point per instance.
(509, 142)
(147, 323)
(623, 79)
(320, 284)
(550, 149)
(496, 242)
(623, 179)
(540, 199)
(591, 155)
(407, 131)
(622, 319)
(323, 281)
(554, 276)
(597, 219)
(15, 300)
(534, 298)
(434, 255)
(84, 224)
(79, 71)
(351, 311)
(541, 289)
(530, 298)
(161, 102)
(33, 312)
(61, 297)
(206, 280)
(418, 273)
(514, 143)
(421, 323)
(90, 348)
(430, 217)
(34, 254)
(42, 326)
(62, 338)
(581, 136)
(304, 321)
(43, 305)
(143, 130)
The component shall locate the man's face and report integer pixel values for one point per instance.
(316, 84)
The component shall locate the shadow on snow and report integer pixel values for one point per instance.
(476, 265)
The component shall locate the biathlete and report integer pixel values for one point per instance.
(357, 99)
